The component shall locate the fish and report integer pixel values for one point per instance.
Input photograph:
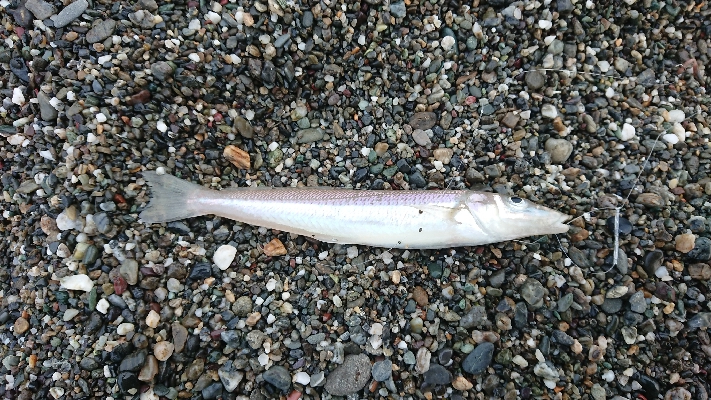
(405, 219)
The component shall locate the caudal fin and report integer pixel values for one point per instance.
(172, 199)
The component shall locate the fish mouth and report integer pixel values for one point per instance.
(560, 223)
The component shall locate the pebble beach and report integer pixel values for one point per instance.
(585, 107)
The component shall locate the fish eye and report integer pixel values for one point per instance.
(517, 201)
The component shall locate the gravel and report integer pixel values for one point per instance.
(582, 107)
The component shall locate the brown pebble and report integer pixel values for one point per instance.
(462, 383)
(580, 235)
(48, 225)
(253, 318)
(650, 200)
(558, 125)
(274, 248)
(419, 294)
(380, 148)
(71, 36)
(163, 350)
(700, 271)
(142, 97)
(21, 326)
(238, 157)
(684, 243)
(510, 120)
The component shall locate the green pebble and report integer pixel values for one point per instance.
(390, 171)
(467, 348)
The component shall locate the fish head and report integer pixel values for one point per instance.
(510, 218)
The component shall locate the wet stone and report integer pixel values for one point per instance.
(133, 362)
(101, 31)
(437, 375)
(350, 377)
(611, 306)
(127, 381)
(479, 359)
(476, 317)
(652, 261)
(161, 70)
(532, 292)
(423, 120)
(701, 250)
(309, 135)
(47, 111)
(40, 9)
(398, 9)
(382, 370)
(70, 13)
(559, 149)
(535, 80)
(638, 303)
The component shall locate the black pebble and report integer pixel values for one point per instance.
(625, 225)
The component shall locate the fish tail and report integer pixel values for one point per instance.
(172, 199)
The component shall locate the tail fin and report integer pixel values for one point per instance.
(172, 199)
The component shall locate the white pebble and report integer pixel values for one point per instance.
(194, 57)
(271, 284)
(609, 92)
(161, 126)
(447, 43)
(64, 223)
(603, 65)
(70, 314)
(549, 111)
(676, 116)
(545, 24)
(46, 154)
(214, 17)
(520, 361)
(103, 306)
(387, 257)
(77, 282)
(224, 256)
(627, 133)
(17, 96)
(352, 252)
(152, 319)
(263, 359)
(174, 285)
(194, 24)
(100, 118)
(671, 138)
(302, 378)
(103, 59)
(376, 329)
(608, 376)
(337, 301)
(124, 328)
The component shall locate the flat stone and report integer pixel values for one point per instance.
(479, 359)
(423, 120)
(70, 13)
(47, 110)
(559, 149)
(309, 135)
(40, 9)
(279, 377)
(535, 80)
(350, 377)
(533, 291)
(101, 31)
(382, 370)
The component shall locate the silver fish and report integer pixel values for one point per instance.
(391, 219)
